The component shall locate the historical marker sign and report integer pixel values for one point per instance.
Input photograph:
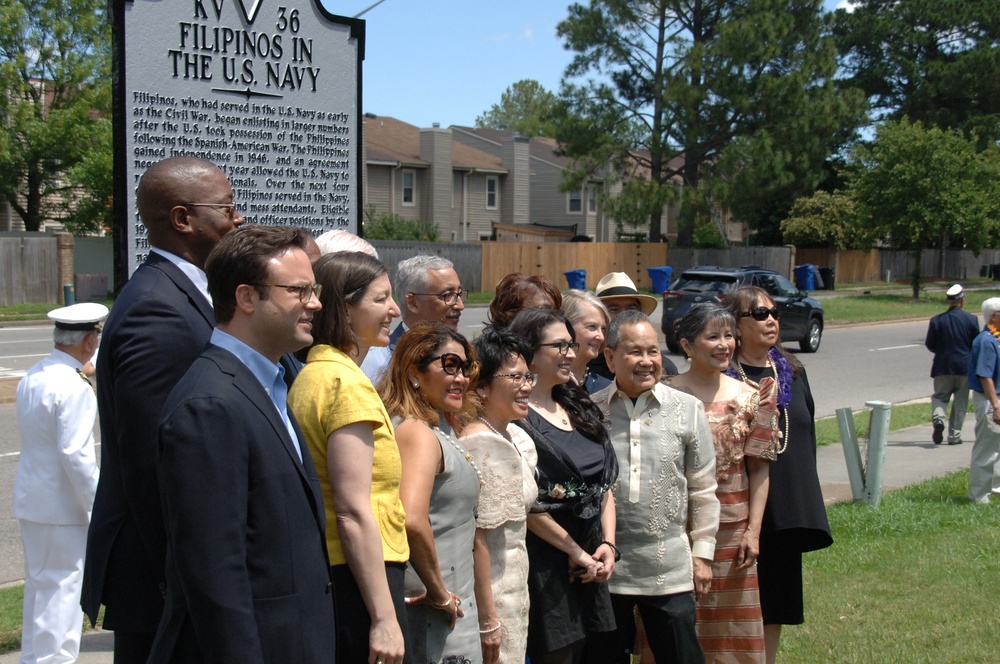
(268, 90)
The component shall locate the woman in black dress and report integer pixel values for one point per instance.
(571, 537)
(795, 516)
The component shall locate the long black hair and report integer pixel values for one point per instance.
(586, 417)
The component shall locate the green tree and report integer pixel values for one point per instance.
(89, 204)
(936, 61)
(734, 96)
(825, 219)
(525, 107)
(55, 72)
(917, 187)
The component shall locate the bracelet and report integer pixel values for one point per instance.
(491, 629)
(618, 554)
(443, 606)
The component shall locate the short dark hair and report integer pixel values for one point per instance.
(494, 347)
(345, 277)
(627, 317)
(241, 257)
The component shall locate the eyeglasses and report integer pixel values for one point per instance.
(449, 298)
(229, 208)
(520, 380)
(304, 291)
(563, 346)
(761, 313)
(451, 364)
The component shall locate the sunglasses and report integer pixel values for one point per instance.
(451, 364)
(563, 346)
(761, 313)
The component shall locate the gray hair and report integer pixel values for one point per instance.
(700, 317)
(411, 273)
(338, 240)
(68, 338)
(625, 318)
(574, 301)
(990, 305)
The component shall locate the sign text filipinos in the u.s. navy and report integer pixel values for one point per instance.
(268, 90)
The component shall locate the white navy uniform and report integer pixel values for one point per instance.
(53, 496)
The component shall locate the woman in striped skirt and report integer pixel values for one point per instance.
(744, 426)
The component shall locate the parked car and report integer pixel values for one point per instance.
(801, 316)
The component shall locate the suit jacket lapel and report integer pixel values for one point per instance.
(394, 337)
(184, 284)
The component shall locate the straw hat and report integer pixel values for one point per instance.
(617, 284)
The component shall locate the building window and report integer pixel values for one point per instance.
(409, 179)
(592, 199)
(574, 202)
(491, 192)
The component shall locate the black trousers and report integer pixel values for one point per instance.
(669, 624)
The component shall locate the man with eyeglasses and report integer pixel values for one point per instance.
(247, 576)
(161, 321)
(427, 289)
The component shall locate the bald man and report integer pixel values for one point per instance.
(160, 323)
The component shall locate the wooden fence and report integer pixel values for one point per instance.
(779, 259)
(897, 265)
(29, 269)
(481, 265)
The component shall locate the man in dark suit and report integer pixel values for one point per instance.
(158, 326)
(247, 572)
(949, 337)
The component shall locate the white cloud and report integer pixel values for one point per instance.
(525, 36)
(847, 5)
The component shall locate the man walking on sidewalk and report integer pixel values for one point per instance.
(949, 337)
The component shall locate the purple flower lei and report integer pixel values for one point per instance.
(785, 374)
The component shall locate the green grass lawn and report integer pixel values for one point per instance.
(11, 601)
(906, 582)
(895, 306)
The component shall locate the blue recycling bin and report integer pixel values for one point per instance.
(804, 277)
(577, 279)
(660, 276)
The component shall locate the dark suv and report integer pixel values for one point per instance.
(801, 316)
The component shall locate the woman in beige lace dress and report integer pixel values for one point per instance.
(506, 457)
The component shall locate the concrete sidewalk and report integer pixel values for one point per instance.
(911, 457)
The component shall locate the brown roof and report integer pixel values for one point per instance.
(389, 139)
(540, 147)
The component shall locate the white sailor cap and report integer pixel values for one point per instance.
(955, 293)
(85, 316)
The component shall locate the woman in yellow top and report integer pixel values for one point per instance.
(352, 443)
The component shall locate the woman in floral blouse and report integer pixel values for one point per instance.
(572, 525)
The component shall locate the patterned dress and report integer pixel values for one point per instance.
(730, 626)
(508, 468)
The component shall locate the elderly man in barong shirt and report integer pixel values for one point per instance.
(667, 511)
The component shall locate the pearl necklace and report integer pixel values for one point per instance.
(465, 453)
(774, 370)
(502, 434)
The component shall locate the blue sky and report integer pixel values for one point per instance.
(448, 61)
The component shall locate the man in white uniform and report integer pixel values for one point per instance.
(55, 484)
